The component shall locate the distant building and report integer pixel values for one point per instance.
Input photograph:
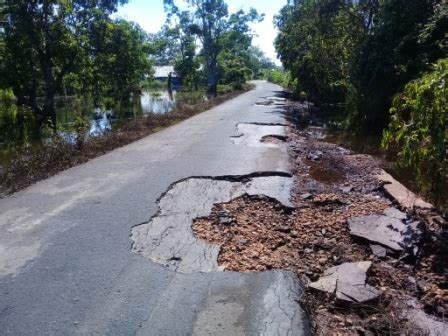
(163, 72)
(167, 73)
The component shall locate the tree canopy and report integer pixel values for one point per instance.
(74, 47)
(359, 54)
(366, 58)
(210, 22)
(49, 44)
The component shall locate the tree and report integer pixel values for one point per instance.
(209, 20)
(357, 55)
(233, 71)
(44, 41)
(388, 58)
(315, 43)
(418, 129)
(258, 62)
(119, 59)
(165, 45)
(236, 60)
(3, 22)
(187, 63)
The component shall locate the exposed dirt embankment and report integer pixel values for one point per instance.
(373, 266)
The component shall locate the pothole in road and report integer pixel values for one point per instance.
(274, 139)
(272, 101)
(264, 103)
(323, 173)
(261, 234)
(260, 135)
(168, 238)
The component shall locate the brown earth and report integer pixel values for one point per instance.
(332, 185)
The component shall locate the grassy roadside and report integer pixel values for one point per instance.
(30, 165)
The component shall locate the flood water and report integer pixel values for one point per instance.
(17, 124)
(371, 145)
(103, 120)
(323, 173)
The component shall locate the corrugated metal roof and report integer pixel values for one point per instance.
(164, 71)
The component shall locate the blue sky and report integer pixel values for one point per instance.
(149, 14)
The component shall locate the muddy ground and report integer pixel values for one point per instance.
(332, 184)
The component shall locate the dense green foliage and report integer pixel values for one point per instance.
(418, 129)
(226, 55)
(357, 55)
(7, 96)
(52, 50)
(392, 55)
(165, 45)
(118, 60)
(315, 42)
(55, 47)
(353, 57)
(278, 76)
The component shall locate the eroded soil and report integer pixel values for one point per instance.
(332, 185)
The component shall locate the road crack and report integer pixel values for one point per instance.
(169, 234)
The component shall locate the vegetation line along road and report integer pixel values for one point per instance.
(71, 77)
(373, 67)
(30, 165)
(77, 81)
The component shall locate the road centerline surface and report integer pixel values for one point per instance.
(66, 265)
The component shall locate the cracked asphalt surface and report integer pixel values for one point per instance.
(168, 238)
(66, 265)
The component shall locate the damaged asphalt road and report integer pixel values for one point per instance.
(168, 238)
(67, 265)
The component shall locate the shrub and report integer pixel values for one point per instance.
(223, 89)
(189, 97)
(7, 96)
(279, 77)
(418, 130)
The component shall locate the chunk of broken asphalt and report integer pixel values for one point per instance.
(406, 198)
(315, 156)
(425, 323)
(386, 229)
(395, 213)
(225, 218)
(306, 196)
(378, 251)
(347, 282)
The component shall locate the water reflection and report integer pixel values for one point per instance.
(158, 102)
(18, 127)
(101, 122)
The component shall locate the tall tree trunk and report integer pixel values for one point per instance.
(28, 97)
(48, 109)
(211, 88)
(210, 60)
(32, 99)
(212, 77)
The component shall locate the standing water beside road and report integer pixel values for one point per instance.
(18, 125)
